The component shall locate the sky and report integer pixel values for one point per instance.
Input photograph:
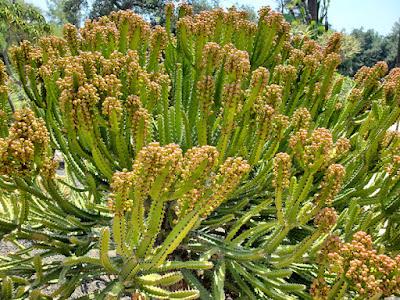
(379, 15)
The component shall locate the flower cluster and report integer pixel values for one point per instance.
(319, 289)
(120, 199)
(326, 218)
(280, 123)
(199, 158)
(210, 188)
(140, 118)
(391, 86)
(225, 182)
(112, 105)
(273, 95)
(393, 167)
(205, 23)
(331, 184)
(49, 167)
(25, 146)
(206, 87)
(370, 76)
(313, 149)
(3, 80)
(282, 166)
(154, 161)
(211, 57)
(259, 81)
(342, 146)
(197, 167)
(320, 145)
(237, 62)
(161, 170)
(368, 272)
(301, 119)
(264, 116)
(155, 167)
(389, 151)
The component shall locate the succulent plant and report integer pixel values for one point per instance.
(211, 157)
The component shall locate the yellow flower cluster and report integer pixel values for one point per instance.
(25, 146)
(3, 74)
(273, 95)
(237, 62)
(391, 86)
(301, 119)
(206, 23)
(331, 184)
(282, 170)
(48, 168)
(206, 86)
(316, 148)
(120, 199)
(3, 81)
(198, 162)
(154, 161)
(369, 77)
(368, 272)
(165, 169)
(259, 81)
(211, 57)
(326, 218)
(225, 182)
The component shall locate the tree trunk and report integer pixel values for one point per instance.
(313, 10)
(398, 50)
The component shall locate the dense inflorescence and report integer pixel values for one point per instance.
(214, 144)
(161, 172)
(25, 148)
(365, 270)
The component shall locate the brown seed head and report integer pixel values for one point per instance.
(326, 218)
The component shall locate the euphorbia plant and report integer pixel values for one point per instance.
(213, 144)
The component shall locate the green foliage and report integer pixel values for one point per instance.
(312, 12)
(20, 21)
(210, 158)
(75, 11)
(152, 8)
(373, 48)
(57, 12)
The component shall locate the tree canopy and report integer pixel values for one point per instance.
(374, 47)
(20, 21)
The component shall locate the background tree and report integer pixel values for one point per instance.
(394, 45)
(75, 11)
(18, 21)
(311, 12)
(398, 51)
(60, 12)
(55, 12)
(151, 8)
(374, 47)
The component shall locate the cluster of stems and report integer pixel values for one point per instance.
(212, 144)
